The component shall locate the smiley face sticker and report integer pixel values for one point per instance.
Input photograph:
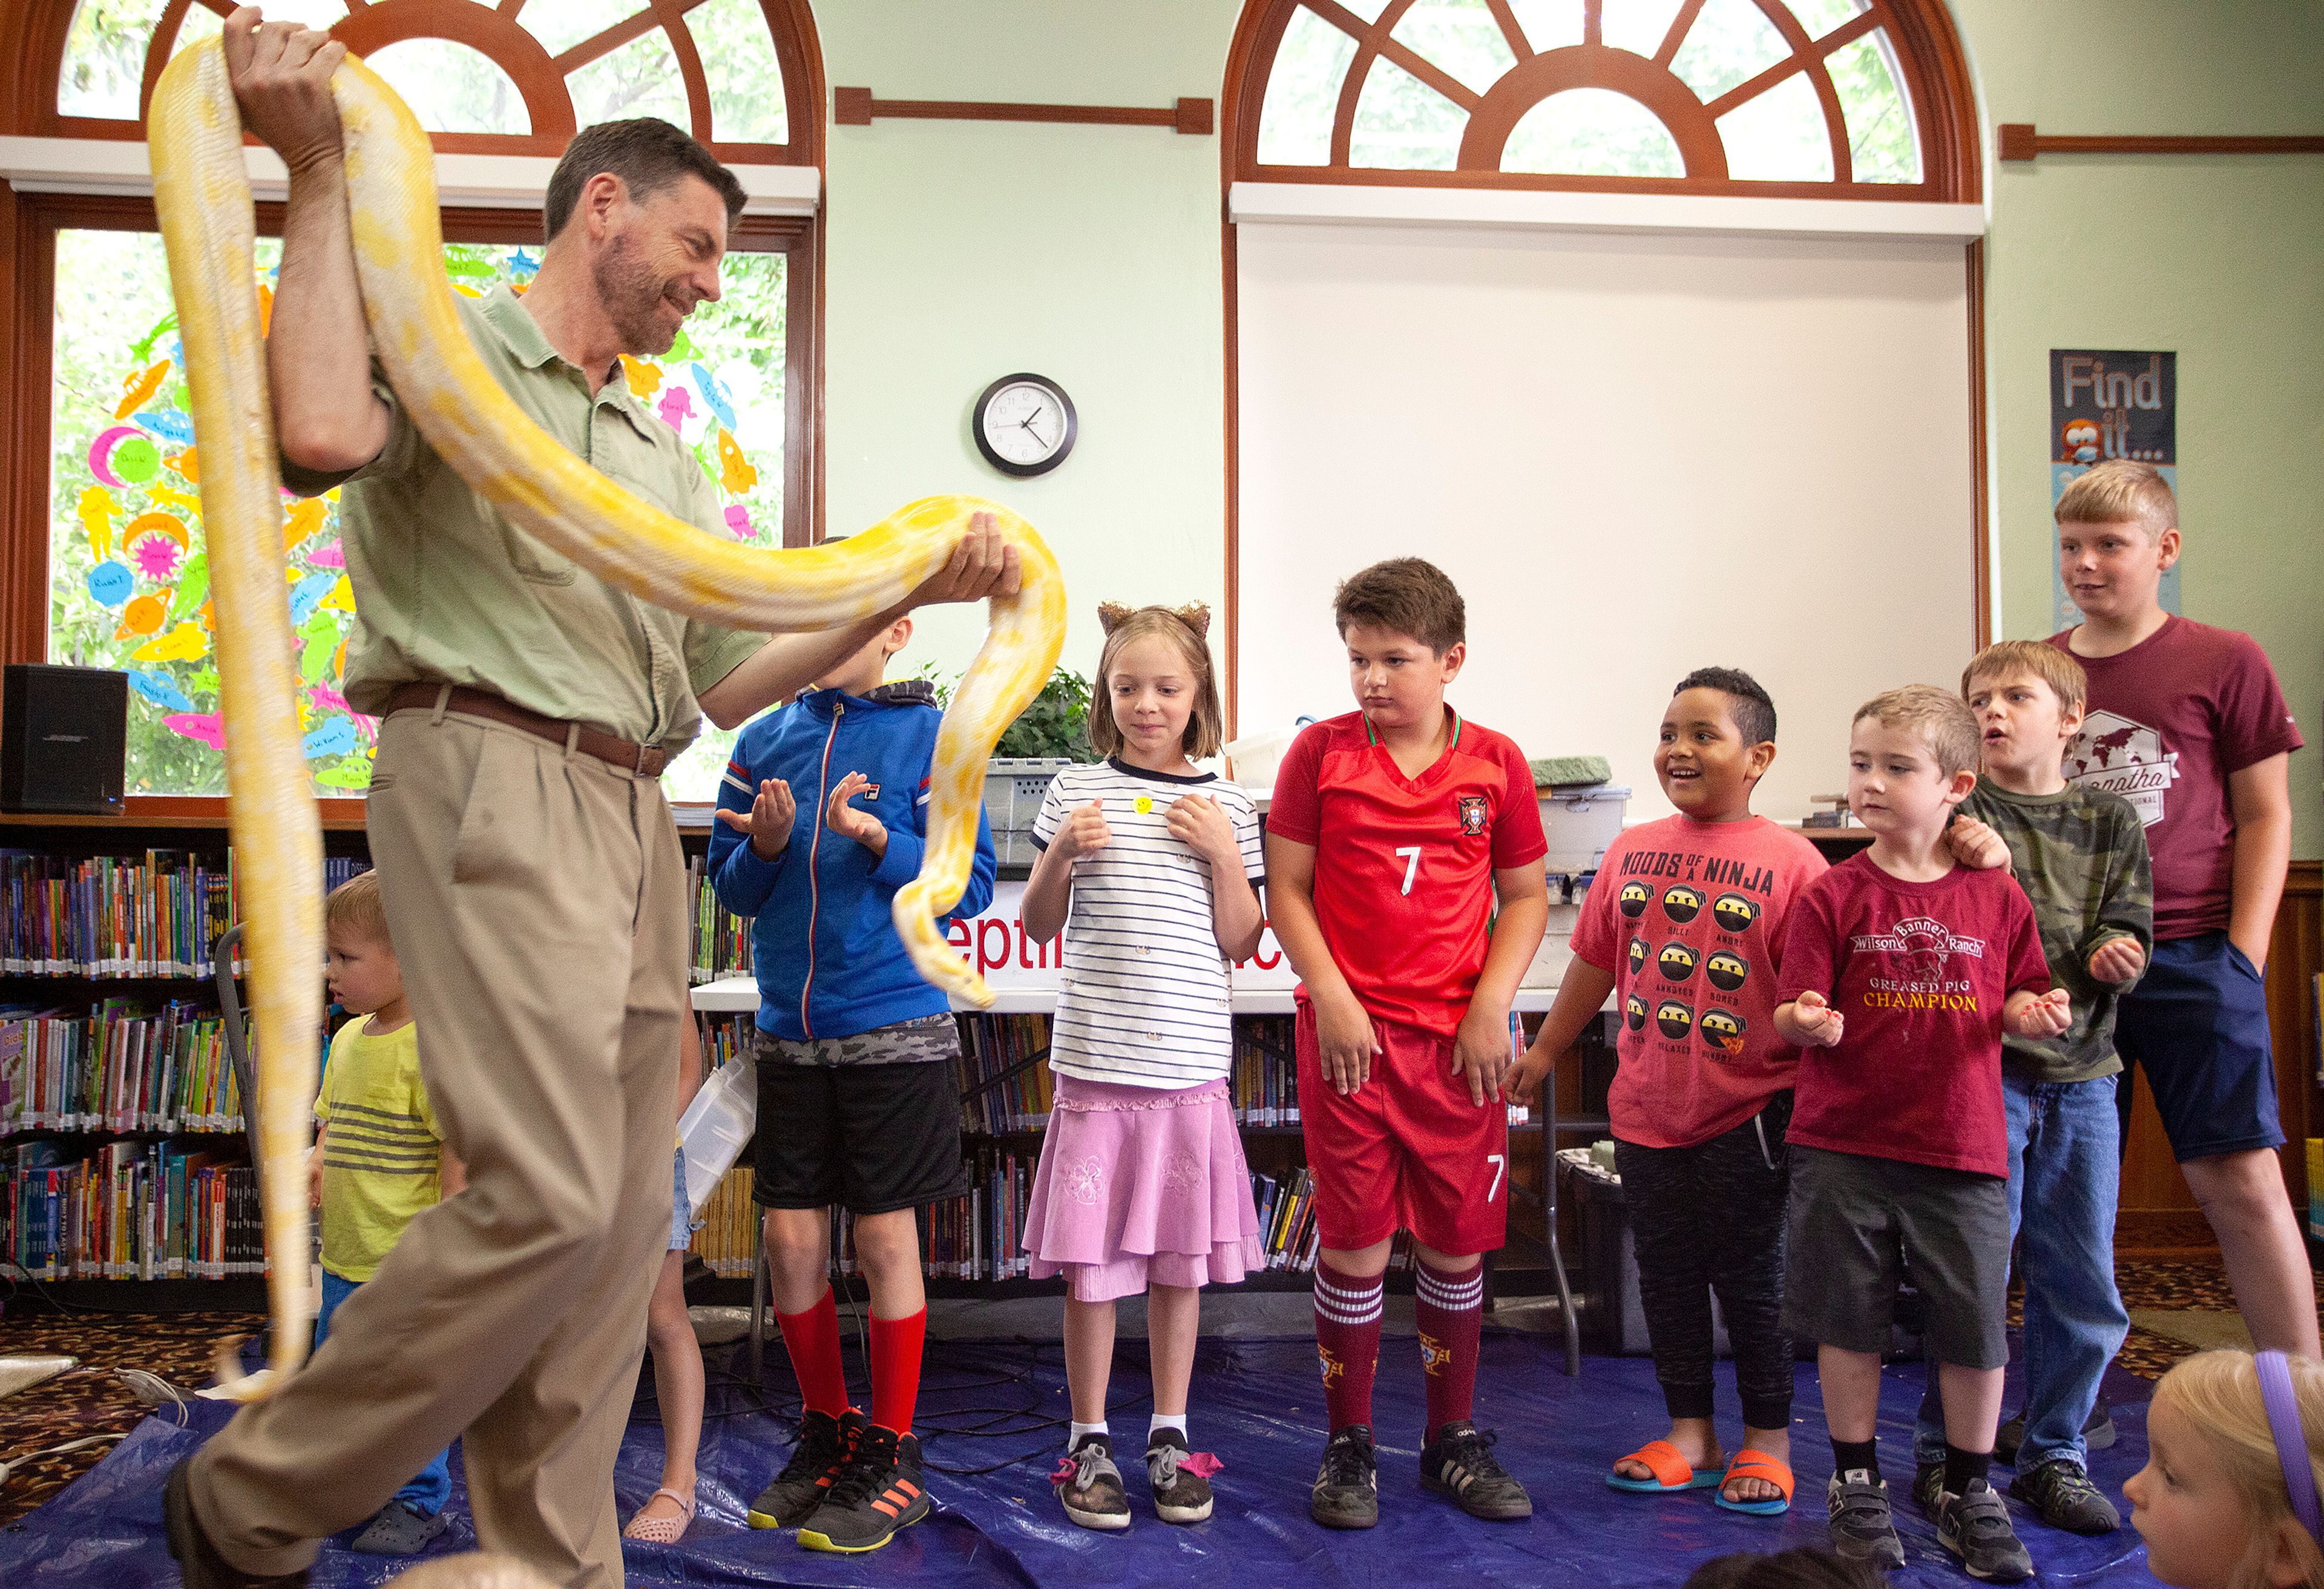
(1144, 805)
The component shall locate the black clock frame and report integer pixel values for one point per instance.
(1023, 471)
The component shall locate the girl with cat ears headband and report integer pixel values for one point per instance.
(1186, 630)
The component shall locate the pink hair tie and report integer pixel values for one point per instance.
(2276, 1393)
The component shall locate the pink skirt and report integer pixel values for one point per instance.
(1139, 1186)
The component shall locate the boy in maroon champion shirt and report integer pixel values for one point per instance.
(1900, 972)
(2188, 724)
(1392, 830)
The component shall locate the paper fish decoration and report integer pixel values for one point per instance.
(142, 616)
(181, 644)
(303, 518)
(109, 584)
(138, 390)
(643, 378)
(205, 727)
(336, 737)
(161, 691)
(735, 472)
(167, 423)
(676, 404)
(713, 393)
(309, 593)
(96, 511)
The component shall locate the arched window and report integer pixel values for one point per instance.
(101, 551)
(1807, 98)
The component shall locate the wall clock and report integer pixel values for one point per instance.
(1024, 425)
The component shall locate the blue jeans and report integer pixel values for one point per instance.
(2065, 1158)
(427, 1493)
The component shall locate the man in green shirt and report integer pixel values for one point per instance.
(532, 880)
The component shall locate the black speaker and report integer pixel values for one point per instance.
(64, 736)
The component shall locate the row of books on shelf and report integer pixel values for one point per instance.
(1000, 1090)
(721, 939)
(118, 1068)
(158, 914)
(1286, 1219)
(130, 1211)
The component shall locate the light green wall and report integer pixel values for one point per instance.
(2219, 257)
(959, 252)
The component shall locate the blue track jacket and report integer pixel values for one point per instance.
(824, 942)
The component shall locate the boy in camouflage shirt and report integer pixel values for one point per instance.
(2081, 855)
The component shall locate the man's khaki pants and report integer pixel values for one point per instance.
(537, 901)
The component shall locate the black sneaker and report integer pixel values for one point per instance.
(197, 1559)
(824, 1443)
(1929, 1487)
(1974, 1525)
(1347, 1486)
(1862, 1527)
(1088, 1485)
(1181, 1495)
(398, 1530)
(879, 1491)
(1460, 1462)
(2097, 1433)
(2061, 1491)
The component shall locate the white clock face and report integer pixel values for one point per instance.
(1024, 424)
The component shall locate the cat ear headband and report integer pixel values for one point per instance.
(1195, 615)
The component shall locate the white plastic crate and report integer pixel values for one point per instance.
(1580, 823)
(1013, 788)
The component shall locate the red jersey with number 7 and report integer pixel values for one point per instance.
(1404, 866)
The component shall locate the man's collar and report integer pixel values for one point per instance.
(530, 346)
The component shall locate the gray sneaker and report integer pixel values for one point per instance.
(398, 1530)
(2061, 1491)
(1181, 1494)
(2097, 1433)
(1088, 1485)
(1974, 1525)
(1347, 1486)
(1863, 1528)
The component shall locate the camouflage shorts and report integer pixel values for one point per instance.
(932, 1037)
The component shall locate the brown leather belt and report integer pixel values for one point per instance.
(645, 760)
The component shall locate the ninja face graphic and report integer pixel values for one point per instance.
(1727, 971)
(1680, 903)
(1677, 961)
(1634, 1010)
(1734, 912)
(1724, 1028)
(1633, 899)
(1674, 1018)
(1637, 955)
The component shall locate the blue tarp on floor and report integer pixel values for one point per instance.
(1256, 1403)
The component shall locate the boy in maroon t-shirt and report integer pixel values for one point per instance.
(1393, 828)
(1901, 971)
(2188, 724)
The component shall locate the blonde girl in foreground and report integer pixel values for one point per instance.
(2229, 1498)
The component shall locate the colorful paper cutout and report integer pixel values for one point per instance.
(104, 455)
(204, 726)
(169, 497)
(738, 519)
(169, 423)
(138, 390)
(181, 644)
(336, 737)
(109, 584)
(644, 380)
(186, 464)
(96, 509)
(677, 406)
(713, 393)
(301, 520)
(330, 555)
(309, 593)
(158, 690)
(156, 557)
(736, 473)
(353, 773)
(144, 615)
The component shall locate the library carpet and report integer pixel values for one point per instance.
(988, 1406)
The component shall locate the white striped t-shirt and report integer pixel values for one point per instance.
(1143, 1000)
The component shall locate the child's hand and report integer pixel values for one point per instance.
(2045, 1017)
(1344, 1042)
(1202, 825)
(1820, 1025)
(1974, 844)
(315, 1176)
(1084, 832)
(768, 820)
(1481, 1050)
(1523, 1076)
(847, 821)
(2118, 960)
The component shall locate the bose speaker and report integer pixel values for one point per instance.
(64, 739)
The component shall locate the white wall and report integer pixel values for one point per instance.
(1636, 455)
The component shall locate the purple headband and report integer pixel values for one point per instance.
(2283, 1406)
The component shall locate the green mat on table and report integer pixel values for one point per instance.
(1564, 772)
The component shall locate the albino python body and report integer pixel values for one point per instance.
(202, 193)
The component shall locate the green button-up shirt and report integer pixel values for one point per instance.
(449, 589)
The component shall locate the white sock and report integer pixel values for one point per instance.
(1166, 1421)
(1075, 1434)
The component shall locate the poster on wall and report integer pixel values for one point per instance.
(2106, 403)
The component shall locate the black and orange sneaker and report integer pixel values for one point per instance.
(824, 1443)
(879, 1491)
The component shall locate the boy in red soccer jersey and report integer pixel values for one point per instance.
(1392, 831)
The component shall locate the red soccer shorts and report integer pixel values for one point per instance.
(1407, 1148)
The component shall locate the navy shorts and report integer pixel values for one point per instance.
(2196, 1025)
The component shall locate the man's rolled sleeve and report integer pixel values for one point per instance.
(396, 456)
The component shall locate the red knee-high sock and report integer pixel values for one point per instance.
(1449, 1309)
(896, 1369)
(1347, 1338)
(813, 1340)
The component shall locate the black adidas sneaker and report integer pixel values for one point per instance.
(879, 1491)
(1347, 1486)
(1460, 1462)
(824, 1444)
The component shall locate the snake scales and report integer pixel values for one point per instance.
(202, 193)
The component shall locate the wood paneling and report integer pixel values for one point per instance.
(859, 108)
(2019, 141)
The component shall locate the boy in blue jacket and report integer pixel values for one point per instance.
(858, 1097)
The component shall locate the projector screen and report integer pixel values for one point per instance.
(1636, 453)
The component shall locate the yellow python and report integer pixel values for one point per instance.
(202, 193)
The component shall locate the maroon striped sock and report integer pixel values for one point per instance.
(1347, 1338)
(1450, 1310)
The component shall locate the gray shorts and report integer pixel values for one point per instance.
(1857, 1225)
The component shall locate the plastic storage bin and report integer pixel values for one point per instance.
(1580, 823)
(1013, 788)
